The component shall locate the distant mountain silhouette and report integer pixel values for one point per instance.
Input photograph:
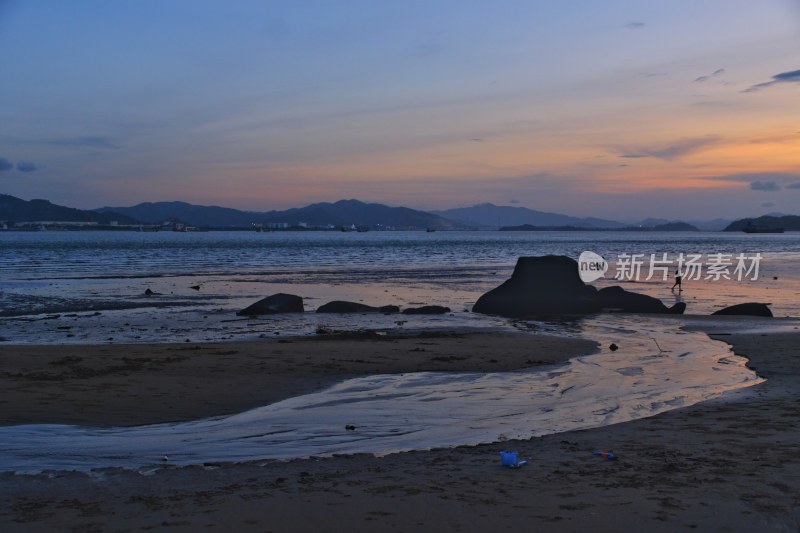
(15, 210)
(196, 215)
(663, 226)
(706, 225)
(669, 226)
(787, 222)
(494, 216)
(341, 213)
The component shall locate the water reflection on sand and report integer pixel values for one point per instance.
(656, 368)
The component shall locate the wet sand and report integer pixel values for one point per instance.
(728, 465)
(136, 384)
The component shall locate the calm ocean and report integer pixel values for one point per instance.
(102, 277)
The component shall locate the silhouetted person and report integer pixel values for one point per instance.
(678, 280)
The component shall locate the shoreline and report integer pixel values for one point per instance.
(727, 464)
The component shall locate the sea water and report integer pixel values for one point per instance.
(87, 287)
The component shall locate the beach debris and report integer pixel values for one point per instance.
(511, 459)
(657, 345)
(606, 455)
(350, 427)
(613, 347)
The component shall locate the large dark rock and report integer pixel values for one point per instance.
(340, 306)
(277, 303)
(618, 299)
(748, 309)
(540, 286)
(427, 310)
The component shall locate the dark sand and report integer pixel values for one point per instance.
(727, 465)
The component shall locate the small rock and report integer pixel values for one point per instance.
(427, 310)
(613, 347)
(277, 303)
(746, 309)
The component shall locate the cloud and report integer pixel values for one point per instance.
(792, 76)
(5, 164)
(764, 181)
(764, 186)
(635, 25)
(26, 166)
(718, 72)
(671, 151)
(777, 177)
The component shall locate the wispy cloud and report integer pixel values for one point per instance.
(21, 166)
(669, 152)
(792, 76)
(718, 72)
(764, 186)
(764, 181)
(635, 25)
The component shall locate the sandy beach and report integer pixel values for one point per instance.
(727, 465)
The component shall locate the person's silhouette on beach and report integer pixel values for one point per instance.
(678, 280)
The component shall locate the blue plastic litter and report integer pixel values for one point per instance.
(608, 455)
(511, 459)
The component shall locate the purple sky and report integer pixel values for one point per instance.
(619, 109)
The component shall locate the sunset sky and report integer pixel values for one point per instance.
(619, 109)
